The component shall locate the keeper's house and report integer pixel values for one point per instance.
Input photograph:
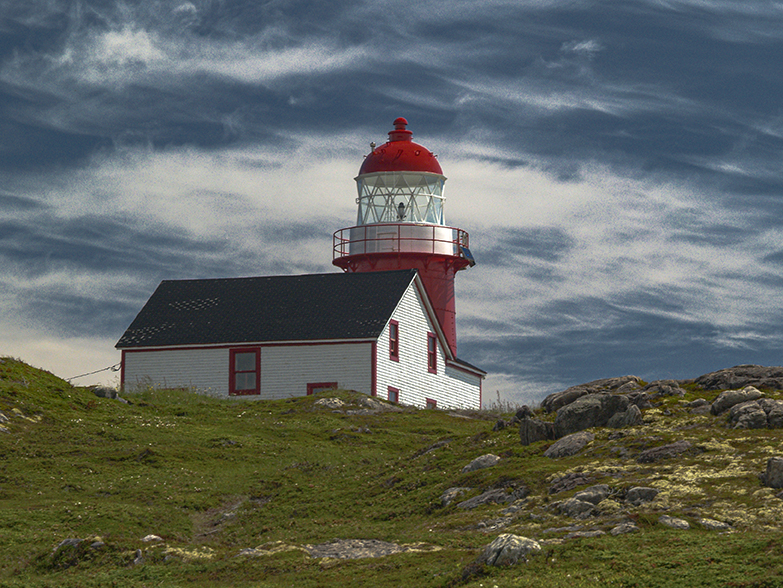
(282, 336)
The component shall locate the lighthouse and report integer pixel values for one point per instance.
(401, 223)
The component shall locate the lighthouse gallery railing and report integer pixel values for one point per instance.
(399, 238)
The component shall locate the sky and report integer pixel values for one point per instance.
(617, 165)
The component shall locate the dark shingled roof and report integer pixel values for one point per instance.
(276, 308)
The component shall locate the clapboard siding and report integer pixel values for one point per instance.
(286, 370)
(202, 369)
(448, 387)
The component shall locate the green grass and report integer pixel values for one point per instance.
(212, 477)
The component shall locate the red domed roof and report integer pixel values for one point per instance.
(400, 153)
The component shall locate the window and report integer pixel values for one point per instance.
(394, 394)
(320, 387)
(245, 372)
(394, 341)
(431, 403)
(432, 354)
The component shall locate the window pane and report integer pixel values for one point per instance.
(246, 381)
(245, 362)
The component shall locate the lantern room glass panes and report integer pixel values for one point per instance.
(394, 197)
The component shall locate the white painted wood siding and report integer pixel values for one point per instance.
(202, 369)
(285, 369)
(448, 387)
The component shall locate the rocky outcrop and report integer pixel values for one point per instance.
(639, 494)
(569, 445)
(674, 522)
(621, 385)
(509, 549)
(757, 414)
(594, 410)
(533, 430)
(484, 461)
(664, 452)
(773, 475)
(729, 398)
(741, 376)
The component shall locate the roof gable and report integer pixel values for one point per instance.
(265, 309)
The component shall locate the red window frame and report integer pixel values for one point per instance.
(432, 353)
(394, 340)
(430, 403)
(316, 387)
(393, 394)
(234, 372)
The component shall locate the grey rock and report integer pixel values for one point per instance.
(713, 525)
(494, 496)
(673, 522)
(664, 452)
(697, 403)
(533, 430)
(451, 494)
(586, 412)
(569, 445)
(523, 412)
(585, 534)
(594, 494)
(741, 376)
(639, 398)
(660, 388)
(775, 416)
(333, 403)
(104, 392)
(569, 482)
(773, 475)
(508, 549)
(484, 461)
(71, 542)
(499, 425)
(729, 398)
(624, 528)
(631, 417)
(152, 539)
(3, 418)
(555, 401)
(748, 415)
(575, 508)
(640, 494)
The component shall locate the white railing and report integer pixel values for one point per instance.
(399, 238)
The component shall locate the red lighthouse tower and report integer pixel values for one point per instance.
(401, 224)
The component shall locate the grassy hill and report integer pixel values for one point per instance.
(241, 493)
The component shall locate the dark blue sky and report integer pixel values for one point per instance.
(617, 164)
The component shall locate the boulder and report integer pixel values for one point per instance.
(729, 398)
(523, 412)
(576, 509)
(494, 496)
(569, 482)
(674, 522)
(484, 461)
(741, 376)
(508, 549)
(773, 475)
(557, 400)
(104, 392)
(450, 494)
(624, 528)
(748, 415)
(590, 411)
(569, 445)
(640, 494)
(664, 452)
(660, 388)
(533, 430)
(594, 494)
(631, 417)
(713, 525)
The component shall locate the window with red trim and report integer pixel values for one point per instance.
(430, 403)
(394, 394)
(244, 372)
(394, 341)
(317, 387)
(432, 354)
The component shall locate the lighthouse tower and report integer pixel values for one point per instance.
(401, 223)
